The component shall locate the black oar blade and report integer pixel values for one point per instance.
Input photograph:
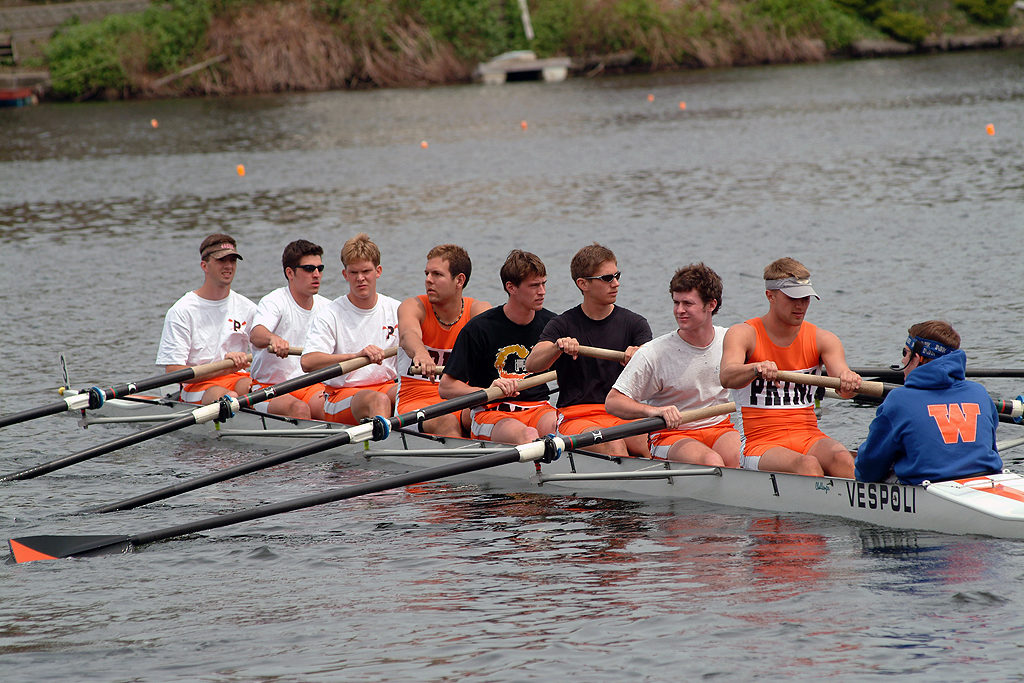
(32, 548)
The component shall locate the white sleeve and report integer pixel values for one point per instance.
(268, 313)
(635, 379)
(175, 340)
(321, 336)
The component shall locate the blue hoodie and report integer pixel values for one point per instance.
(937, 426)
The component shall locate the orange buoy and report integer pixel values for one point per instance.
(240, 169)
(522, 124)
(682, 105)
(990, 129)
(650, 98)
(154, 123)
(424, 144)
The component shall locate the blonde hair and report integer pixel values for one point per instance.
(360, 248)
(785, 267)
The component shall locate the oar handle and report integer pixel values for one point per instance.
(695, 414)
(866, 387)
(606, 354)
(215, 368)
(221, 365)
(494, 393)
(418, 369)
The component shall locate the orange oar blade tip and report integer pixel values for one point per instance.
(23, 553)
(32, 548)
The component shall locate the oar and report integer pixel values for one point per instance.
(378, 429)
(592, 351)
(221, 410)
(95, 397)
(866, 387)
(606, 354)
(418, 370)
(30, 548)
(889, 373)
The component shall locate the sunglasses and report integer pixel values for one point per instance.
(605, 278)
(309, 268)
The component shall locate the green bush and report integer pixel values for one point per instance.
(87, 59)
(476, 29)
(904, 26)
(359, 17)
(817, 18)
(987, 11)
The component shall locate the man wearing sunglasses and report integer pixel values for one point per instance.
(428, 326)
(779, 425)
(584, 382)
(938, 425)
(209, 324)
(282, 319)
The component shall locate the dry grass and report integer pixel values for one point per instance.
(282, 46)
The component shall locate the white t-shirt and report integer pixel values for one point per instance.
(279, 313)
(198, 331)
(342, 327)
(669, 371)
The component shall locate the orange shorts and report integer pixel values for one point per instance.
(415, 395)
(661, 442)
(799, 440)
(305, 395)
(338, 402)
(193, 392)
(585, 417)
(529, 413)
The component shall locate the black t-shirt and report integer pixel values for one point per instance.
(490, 344)
(588, 380)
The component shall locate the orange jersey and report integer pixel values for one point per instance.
(781, 405)
(439, 341)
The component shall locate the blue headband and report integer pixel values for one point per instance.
(928, 348)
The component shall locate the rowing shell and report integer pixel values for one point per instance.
(991, 505)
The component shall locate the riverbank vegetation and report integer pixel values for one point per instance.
(277, 45)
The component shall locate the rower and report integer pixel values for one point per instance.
(679, 371)
(937, 426)
(209, 324)
(583, 382)
(361, 323)
(491, 351)
(779, 425)
(282, 319)
(428, 325)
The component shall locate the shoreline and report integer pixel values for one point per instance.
(593, 66)
(259, 52)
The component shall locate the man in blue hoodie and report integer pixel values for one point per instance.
(938, 426)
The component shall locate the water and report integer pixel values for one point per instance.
(878, 175)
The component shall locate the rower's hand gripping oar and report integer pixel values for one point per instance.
(221, 410)
(866, 387)
(30, 548)
(377, 429)
(1010, 410)
(889, 373)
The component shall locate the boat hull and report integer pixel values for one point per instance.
(991, 505)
